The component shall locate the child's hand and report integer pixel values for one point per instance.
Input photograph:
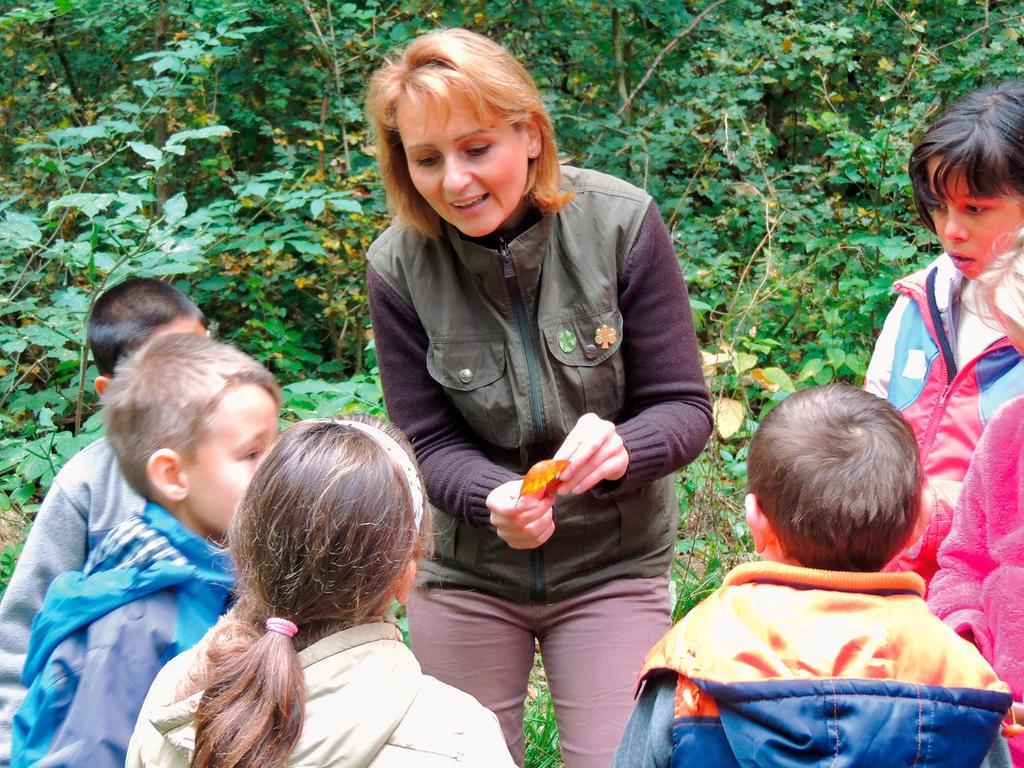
(522, 522)
(595, 453)
(1017, 710)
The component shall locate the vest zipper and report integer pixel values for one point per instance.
(537, 419)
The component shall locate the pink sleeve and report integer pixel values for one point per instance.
(966, 557)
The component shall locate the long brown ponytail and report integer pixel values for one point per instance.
(322, 538)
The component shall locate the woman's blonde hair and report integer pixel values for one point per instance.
(436, 67)
(323, 537)
(1002, 290)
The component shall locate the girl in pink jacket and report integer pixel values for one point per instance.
(978, 587)
(944, 364)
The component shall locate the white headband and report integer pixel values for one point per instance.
(395, 451)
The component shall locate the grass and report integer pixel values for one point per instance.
(539, 726)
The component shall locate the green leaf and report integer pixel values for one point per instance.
(316, 207)
(811, 368)
(254, 189)
(306, 247)
(129, 203)
(78, 136)
(175, 208)
(824, 376)
(779, 378)
(744, 362)
(166, 63)
(836, 357)
(19, 231)
(346, 204)
(87, 202)
(209, 132)
(147, 151)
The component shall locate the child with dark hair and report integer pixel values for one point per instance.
(977, 589)
(188, 420)
(815, 657)
(89, 496)
(308, 668)
(944, 364)
(129, 314)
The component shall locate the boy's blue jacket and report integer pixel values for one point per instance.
(150, 590)
(789, 667)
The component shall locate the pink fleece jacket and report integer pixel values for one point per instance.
(979, 587)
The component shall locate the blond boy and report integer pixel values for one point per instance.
(188, 419)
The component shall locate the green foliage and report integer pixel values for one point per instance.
(221, 144)
(8, 558)
(539, 724)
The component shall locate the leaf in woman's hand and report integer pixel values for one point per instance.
(541, 477)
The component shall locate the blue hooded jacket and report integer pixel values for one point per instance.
(150, 590)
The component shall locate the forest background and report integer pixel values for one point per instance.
(221, 144)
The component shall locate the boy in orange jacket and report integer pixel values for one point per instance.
(814, 656)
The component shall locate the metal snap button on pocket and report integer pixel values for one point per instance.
(591, 351)
(465, 375)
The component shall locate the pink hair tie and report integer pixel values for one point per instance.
(282, 627)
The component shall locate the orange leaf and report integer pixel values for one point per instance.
(541, 476)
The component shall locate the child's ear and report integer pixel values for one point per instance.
(405, 582)
(934, 494)
(166, 474)
(100, 384)
(925, 510)
(766, 541)
(757, 522)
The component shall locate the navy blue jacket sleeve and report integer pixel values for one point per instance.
(94, 686)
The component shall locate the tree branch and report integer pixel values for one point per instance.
(665, 52)
(51, 28)
(620, 65)
(329, 51)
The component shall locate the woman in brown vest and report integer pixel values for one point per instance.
(524, 310)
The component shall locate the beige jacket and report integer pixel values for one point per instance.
(368, 704)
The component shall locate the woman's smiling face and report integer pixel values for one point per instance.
(472, 170)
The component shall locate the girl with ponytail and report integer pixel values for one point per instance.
(307, 668)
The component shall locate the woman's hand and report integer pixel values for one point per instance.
(595, 452)
(523, 523)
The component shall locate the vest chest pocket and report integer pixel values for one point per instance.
(473, 376)
(587, 364)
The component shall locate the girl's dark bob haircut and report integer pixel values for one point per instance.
(981, 137)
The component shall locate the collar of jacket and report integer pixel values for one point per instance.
(948, 280)
(799, 577)
(211, 559)
(526, 252)
(176, 721)
(157, 535)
